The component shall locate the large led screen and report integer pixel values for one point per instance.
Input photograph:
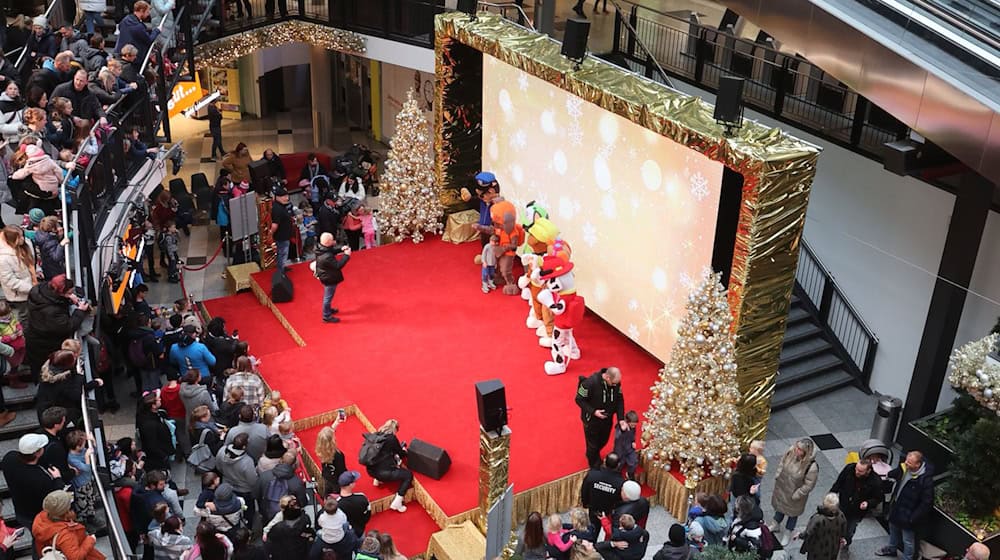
(639, 210)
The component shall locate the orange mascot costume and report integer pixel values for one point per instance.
(511, 236)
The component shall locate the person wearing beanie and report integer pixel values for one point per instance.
(225, 510)
(33, 218)
(696, 537)
(633, 503)
(41, 42)
(42, 169)
(370, 549)
(57, 525)
(676, 548)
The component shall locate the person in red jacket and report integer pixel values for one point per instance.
(174, 407)
(57, 524)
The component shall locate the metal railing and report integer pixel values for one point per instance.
(507, 10)
(778, 84)
(853, 338)
(406, 21)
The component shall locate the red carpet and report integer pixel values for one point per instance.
(255, 322)
(417, 333)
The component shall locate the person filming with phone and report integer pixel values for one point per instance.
(328, 269)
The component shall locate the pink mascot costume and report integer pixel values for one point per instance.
(568, 307)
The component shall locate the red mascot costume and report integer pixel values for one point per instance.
(568, 307)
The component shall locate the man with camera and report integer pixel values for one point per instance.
(328, 270)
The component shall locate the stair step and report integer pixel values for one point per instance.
(807, 368)
(787, 395)
(795, 300)
(801, 331)
(25, 396)
(803, 349)
(26, 421)
(797, 315)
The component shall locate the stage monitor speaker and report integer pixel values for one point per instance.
(260, 176)
(427, 459)
(574, 45)
(729, 101)
(281, 288)
(491, 400)
(468, 6)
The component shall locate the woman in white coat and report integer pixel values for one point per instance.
(17, 271)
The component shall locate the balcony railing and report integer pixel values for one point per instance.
(778, 84)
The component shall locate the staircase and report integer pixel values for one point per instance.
(827, 345)
(22, 401)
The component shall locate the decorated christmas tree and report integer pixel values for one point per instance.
(692, 418)
(410, 201)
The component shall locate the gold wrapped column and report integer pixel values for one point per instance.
(494, 466)
(268, 250)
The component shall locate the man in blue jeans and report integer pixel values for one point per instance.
(281, 225)
(328, 270)
(912, 500)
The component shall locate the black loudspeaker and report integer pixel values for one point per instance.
(491, 400)
(574, 45)
(468, 6)
(729, 101)
(260, 176)
(427, 459)
(281, 288)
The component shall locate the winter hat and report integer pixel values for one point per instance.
(485, 177)
(33, 151)
(696, 530)
(275, 447)
(29, 444)
(631, 490)
(40, 21)
(36, 215)
(676, 534)
(57, 503)
(225, 500)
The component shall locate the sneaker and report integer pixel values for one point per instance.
(886, 551)
(331, 320)
(334, 311)
(486, 288)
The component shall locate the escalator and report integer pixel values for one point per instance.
(932, 64)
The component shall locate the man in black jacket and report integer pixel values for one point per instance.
(329, 216)
(860, 490)
(601, 489)
(54, 453)
(86, 106)
(355, 505)
(632, 504)
(599, 398)
(327, 269)
(29, 482)
(912, 500)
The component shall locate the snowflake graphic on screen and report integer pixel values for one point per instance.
(633, 332)
(518, 140)
(633, 305)
(574, 106)
(636, 203)
(686, 281)
(699, 186)
(574, 132)
(522, 82)
(493, 137)
(633, 154)
(589, 234)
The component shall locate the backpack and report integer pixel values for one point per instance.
(276, 489)
(137, 354)
(201, 456)
(371, 449)
(764, 546)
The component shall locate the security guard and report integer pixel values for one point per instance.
(599, 398)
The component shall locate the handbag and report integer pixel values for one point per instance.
(51, 552)
(201, 457)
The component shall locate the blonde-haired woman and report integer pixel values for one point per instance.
(794, 480)
(332, 460)
(17, 271)
(386, 465)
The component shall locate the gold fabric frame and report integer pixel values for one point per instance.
(778, 171)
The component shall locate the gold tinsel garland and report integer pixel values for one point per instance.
(972, 373)
(222, 52)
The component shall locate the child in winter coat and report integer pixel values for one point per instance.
(49, 242)
(367, 226)
(171, 240)
(554, 531)
(625, 444)
(80, 459)
(42, 169)
(12, 335)
(489, 258)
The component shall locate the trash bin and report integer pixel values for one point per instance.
(887, 419)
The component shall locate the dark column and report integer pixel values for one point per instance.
(968, 219)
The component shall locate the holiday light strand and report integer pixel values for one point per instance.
(974, 374)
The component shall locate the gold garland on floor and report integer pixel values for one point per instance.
(222, 52)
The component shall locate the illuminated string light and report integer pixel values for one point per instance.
(225, 51)
(974, 374)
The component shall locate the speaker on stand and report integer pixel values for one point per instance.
(491, 401)
(729, 103)
(574, 46)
